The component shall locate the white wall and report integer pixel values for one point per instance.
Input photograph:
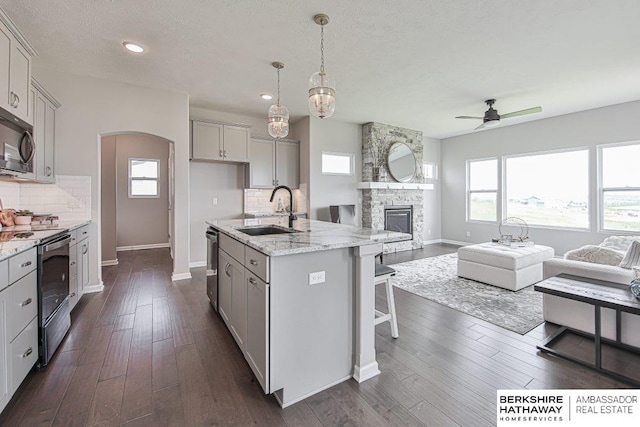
(617, 123)
(93, 107)
(432, 201)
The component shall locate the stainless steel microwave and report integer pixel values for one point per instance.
(17, 147)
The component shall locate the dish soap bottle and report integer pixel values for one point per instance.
(279, 208)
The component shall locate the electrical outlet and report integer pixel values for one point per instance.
(214, 201)
(468, 234)
(429, 232)
(316, 278)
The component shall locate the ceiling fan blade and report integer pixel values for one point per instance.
(480, 127)
(469, 117)
(521, 112)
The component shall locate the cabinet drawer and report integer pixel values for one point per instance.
(4, 274)
(22, 304)
(21, 264)
(82, 233)
(257, 263)
(23, 354)
(232, 247)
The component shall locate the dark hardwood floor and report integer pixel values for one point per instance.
(150, 352)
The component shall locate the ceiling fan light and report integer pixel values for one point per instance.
(278, 122)
(322, 95)
(491, 123)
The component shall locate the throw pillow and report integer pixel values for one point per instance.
(632, 257)
(595, 255)
(619, 243)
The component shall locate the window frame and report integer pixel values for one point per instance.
(505, 212)
(138, 178)
(352, 163)
(497, 191)
(434, 168)
(601, 189)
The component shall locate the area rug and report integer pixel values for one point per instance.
(436, 279)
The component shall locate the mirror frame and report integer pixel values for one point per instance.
(406, 178)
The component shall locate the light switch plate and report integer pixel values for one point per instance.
(316, 278)
(214, 201)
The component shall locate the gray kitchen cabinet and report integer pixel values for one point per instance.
(232, 298)
(44, 132)
(274, 162)
(5, 393)
(15, 71)
(78, 264)
(257, 344)
(219, 141)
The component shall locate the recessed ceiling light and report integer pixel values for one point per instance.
(266, 96)
(133, 47)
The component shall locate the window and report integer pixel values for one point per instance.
(143, 178)
(549, 189)
(429, 170)
(620, 187)
(338, 163)
(483, 190)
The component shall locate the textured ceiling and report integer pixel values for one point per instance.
(410, 63)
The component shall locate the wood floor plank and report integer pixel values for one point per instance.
(77, 399)
(117, 356)
(124, 321)
(164, 365)
(388, 408)
(138, 386)
(167, 407)
(107, 403)
(162, 326)
(96, 348)
(196, 397)
(430, 415)
(142, 333)
(300, 415)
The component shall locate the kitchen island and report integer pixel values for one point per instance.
(300, 304)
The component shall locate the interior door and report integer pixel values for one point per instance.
(171, 178)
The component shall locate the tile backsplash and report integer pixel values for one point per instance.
(257, 200)
(69, 198)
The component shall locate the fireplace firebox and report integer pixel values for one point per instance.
(399, 218)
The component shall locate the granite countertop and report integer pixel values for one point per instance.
(13, 247)
(313, 235)
(267, 215)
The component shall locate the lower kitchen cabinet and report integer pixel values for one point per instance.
(18, 321)
(232, 297)
(78, 264)
(257, 345)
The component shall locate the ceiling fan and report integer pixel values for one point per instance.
(492, 118)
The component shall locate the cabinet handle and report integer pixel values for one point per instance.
(221, 153)
(72, 263)
(26, 302)
(73, 294)
(84, 232)
(25, 264)
(47, 171)
(253, 281)
(85, 249)
(16, 100)
(253, 262)
(27, 353)
(224, 153)
(226, 269)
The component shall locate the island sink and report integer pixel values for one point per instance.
(263, 231)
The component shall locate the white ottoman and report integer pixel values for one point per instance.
(503, 266)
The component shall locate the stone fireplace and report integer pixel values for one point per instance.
(382, 195)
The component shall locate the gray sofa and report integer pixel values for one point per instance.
(580, 315)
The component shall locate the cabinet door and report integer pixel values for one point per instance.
(224, 287)
(20, 78)
(288, 164)
(83, 256)
(206, 141)
(5, 394)
(257, 346)
(236, 143)
(39, 133)
(261, 164)
(5, 55)
(49, 142)
(238, 304)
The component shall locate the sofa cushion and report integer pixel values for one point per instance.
(595, 254)
(632, 257)
(506, 257)
(618, 243)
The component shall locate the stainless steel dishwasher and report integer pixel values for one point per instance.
(212, 267)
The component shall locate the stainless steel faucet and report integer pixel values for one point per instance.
(292, 217)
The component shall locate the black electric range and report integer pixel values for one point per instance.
(17, 233)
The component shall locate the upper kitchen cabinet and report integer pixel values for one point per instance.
(274, 162)
(219, 141)
(15, 70)
(44, 132)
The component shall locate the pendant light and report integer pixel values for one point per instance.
(278, 114)
(322, 93)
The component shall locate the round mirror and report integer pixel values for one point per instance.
(401, 162)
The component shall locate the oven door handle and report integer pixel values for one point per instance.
(56, 244)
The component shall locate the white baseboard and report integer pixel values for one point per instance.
(197, 264)
(109, 262)
(93, 288)
(298, 399)
(455, 242)
(139, 247)
(180, 276)
(431, 242)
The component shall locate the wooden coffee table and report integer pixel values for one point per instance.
(592, 292)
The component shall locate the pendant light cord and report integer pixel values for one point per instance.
(278, 86)
(322, 49)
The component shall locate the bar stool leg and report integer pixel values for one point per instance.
(391, 305)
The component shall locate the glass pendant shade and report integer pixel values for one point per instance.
(322, 95)
(278, 126)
